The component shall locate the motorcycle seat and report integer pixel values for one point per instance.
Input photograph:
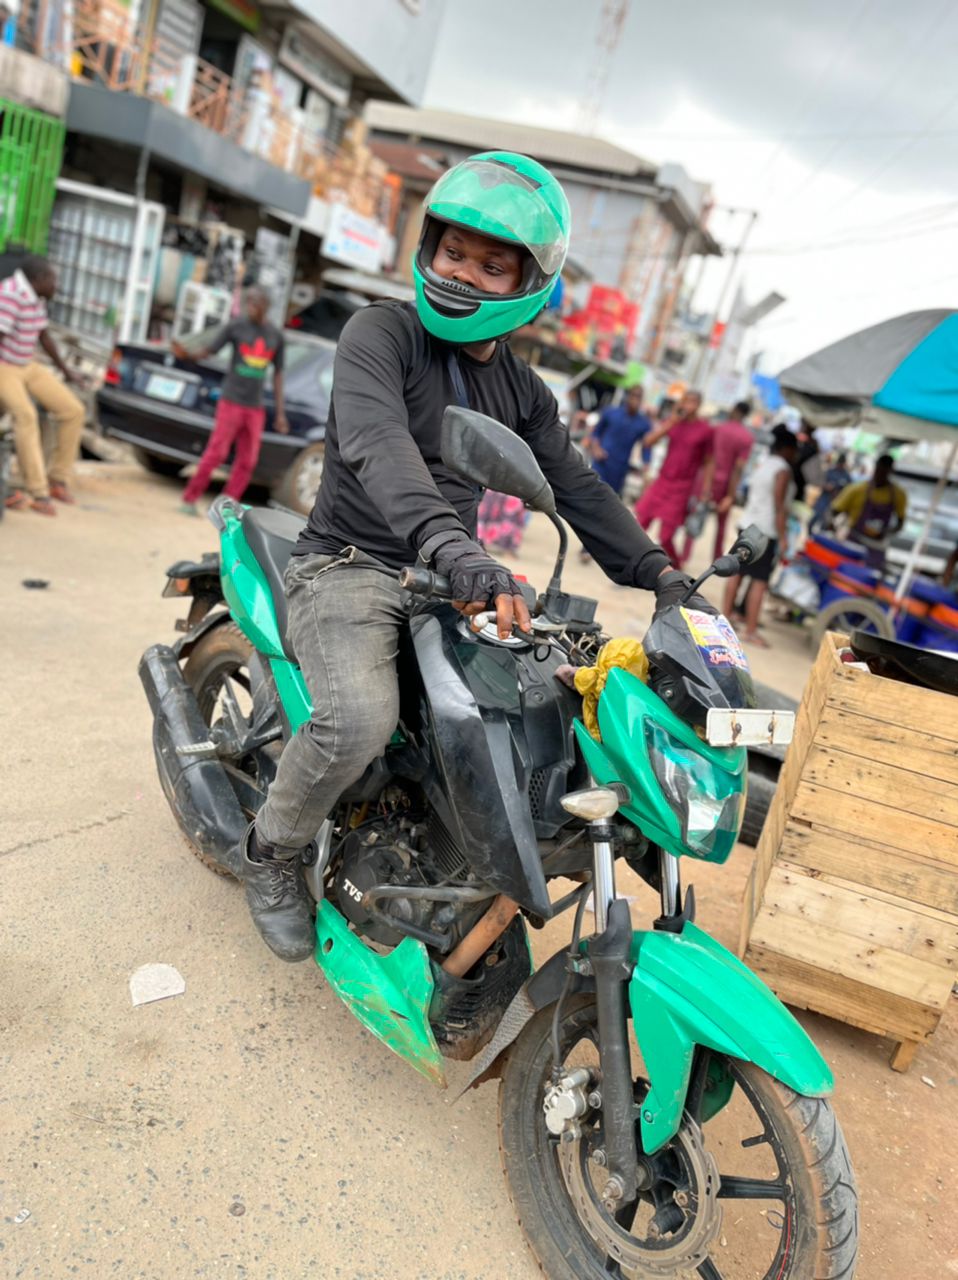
(270, 536)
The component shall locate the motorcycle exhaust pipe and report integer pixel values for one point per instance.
(195, 783)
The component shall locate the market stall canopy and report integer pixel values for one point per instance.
(898, 379)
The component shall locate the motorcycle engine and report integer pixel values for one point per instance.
(395, 854)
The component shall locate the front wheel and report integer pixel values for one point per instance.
(779, 1156)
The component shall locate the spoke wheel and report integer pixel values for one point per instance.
(762, 1190)
(851, 615)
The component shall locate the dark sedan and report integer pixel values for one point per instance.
(164, 407)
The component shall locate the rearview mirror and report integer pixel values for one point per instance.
(750, 545)
(485, 451)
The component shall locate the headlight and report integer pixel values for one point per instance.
(708, 801)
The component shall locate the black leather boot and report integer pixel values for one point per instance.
(279, 902)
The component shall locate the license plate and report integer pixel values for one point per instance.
(754, 727)
(169, 389)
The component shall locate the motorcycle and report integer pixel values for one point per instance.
(647, 1077)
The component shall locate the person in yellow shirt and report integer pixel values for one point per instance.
(875, 510)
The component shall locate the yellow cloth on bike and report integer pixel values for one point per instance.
(590, 681)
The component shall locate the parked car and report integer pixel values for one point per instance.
(326, 317)
(345, 292)
(164, 408)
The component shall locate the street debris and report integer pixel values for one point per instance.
(237, 1208)
(21, 1216)
(155, 982)
(928, 1081)
(36, 584)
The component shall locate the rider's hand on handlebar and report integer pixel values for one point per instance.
(670, 588)
(478, 580)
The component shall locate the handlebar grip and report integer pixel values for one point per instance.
(423, 582)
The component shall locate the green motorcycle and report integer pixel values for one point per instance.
(661, 1113)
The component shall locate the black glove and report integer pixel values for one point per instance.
(474, 576)
(671, 586)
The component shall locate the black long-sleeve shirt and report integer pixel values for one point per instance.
(385, 489)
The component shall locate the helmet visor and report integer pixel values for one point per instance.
(494, 200)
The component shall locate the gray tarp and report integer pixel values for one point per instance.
(834, 387)
(859, 366)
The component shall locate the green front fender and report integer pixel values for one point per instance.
(687, 990)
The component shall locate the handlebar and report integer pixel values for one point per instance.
(423, 582)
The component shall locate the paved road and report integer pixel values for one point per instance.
(250, 1128)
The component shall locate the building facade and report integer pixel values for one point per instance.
(219, 131)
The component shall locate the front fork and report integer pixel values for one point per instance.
(610, 954)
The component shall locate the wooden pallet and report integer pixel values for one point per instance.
(851, 908)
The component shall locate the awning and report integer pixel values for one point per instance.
(183, 143)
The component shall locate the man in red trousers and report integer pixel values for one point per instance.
(240, 415)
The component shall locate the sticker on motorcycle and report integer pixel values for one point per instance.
(716, 641)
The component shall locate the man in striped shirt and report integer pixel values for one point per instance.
(23, 323)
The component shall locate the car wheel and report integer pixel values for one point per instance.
(297, 489)
(158, 466)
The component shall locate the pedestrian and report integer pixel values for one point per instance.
(618, 431)
(807, 467)
(771, 492)
(23, 380)
(690, 447)
(732, 443)
(501, 522)
(837, 477)
(240, 415)
(874, 509)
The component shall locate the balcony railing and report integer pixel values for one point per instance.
(99, 45)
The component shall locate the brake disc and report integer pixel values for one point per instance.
(684, 1243)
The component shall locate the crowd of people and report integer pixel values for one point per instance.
(706, 468)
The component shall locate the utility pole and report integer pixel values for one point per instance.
(611, 21)
(709, 354)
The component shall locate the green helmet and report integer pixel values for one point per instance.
(507, 197)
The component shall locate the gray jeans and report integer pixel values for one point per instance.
(344, 618)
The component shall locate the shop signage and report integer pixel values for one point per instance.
(311, 63)
(353, 239)
(243, 12)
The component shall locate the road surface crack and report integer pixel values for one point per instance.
(76, 830)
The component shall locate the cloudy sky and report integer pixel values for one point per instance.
(836, 119)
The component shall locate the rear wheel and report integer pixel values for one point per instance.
(217, 671)
(298, 487)
(157, 465)
(779, 1156)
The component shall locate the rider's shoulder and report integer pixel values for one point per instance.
(383, 319)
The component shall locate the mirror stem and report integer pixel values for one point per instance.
(556, 579)
(698, 582)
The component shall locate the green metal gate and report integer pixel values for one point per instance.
(31, 151)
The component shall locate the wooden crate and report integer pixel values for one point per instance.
(851, 908)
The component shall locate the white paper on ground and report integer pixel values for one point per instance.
(155, 982)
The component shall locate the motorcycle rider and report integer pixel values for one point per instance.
(494, 239)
